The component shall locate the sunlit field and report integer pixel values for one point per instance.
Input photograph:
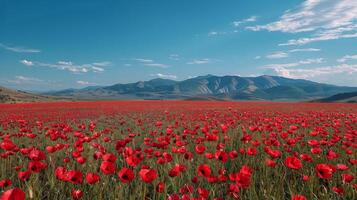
(178, 150)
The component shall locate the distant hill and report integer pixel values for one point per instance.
(17, 96)
(212, 87)
(348, 97)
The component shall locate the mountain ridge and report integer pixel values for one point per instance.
(224, 87)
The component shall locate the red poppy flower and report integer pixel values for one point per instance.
(293, 162)
(77, 194)
(75, 177)
(160, 187)
(203, 192)
(347, 178)
(107, 167)
(305, 178)
(126, 175)
(13, 194)
(243, 178)
(200, 149)
(251, 151)
(204, 170)
(109, 157)
(342, 167)
(270, 163)
(132, 160)
(7, 145)
(61, 173)
(175, 171)
(36, 166)
(338, 190)
(222, 156)
(37, 155)
(24, 175)
(298, 197)
(5, 183)
(147, 175)
(324, 171)
(92, 178)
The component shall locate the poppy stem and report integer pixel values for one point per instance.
(144, 192)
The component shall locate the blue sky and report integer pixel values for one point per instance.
(51, 45)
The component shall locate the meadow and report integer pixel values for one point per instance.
(178, 150)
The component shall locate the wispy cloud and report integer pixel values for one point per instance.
(19, 49)
(200, 61)
(21, 80)
(233, 27)
(69, 66)
(278, 54)
(215, 33)
(165, 76)
(304, 50)
(284, 54)
(347, 57)
(257, 57)
(157, 65)
(240, 22)
(303, 73)
(84, 83)
(24, 78)
(102, 64)
(295, 64)
(143, 60)
(325, 20)
(26, 62)
(299, 70)
(151, 63)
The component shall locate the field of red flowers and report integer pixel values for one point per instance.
(178, 150)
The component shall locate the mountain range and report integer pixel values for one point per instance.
(274, 88)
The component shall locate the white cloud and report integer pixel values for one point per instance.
(279, 54)
(321, 36)
(282, 54)
(304, 50)
(347, 57)
(295, 64)
(150, 63)
(97, 69)
(303, 73)
(84, 83)
(24, 80)
(102, 64)
(200, 61)
(19, 49)
(157, 65)
(165, 76)
(216, 33)
(26, 62)
(250, 19)
(212, 33)
(325, 19)
(312, 61)
(144, 60)
(66, 65)
(297, 70)
(257, 57)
